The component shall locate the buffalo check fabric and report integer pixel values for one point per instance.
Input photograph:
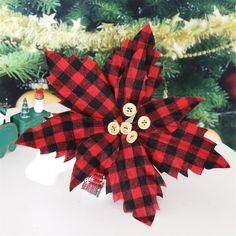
(173, 143)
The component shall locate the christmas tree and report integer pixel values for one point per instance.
(24, 110)
(197, 41)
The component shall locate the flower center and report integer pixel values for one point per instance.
(129, 110)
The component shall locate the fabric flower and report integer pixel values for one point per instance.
(115, 127)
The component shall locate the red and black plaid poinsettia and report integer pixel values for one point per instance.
(172, 144)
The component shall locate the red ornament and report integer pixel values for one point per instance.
(228, 83)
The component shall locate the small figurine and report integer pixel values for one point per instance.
(24, 110)
(38, 100)
(30, 117)
(39, 95)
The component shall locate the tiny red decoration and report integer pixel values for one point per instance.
(94, 184)
(228, 83)
(131, 157)
(39, 94)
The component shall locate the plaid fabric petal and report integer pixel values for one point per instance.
(81, 85)
(133, 179)
(61, 133)
(167, 113)
(184, 149)
(117, 66)
(131, 85)
(94, 154)
(172, 144)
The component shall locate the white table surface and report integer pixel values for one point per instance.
(35, 200)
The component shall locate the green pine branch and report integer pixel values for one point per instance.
(21, 65)
(46, 6)
(94, 12)
(170, 68)
(209, 43)
(110, 11)
(160, 8)
(100, 58)
(77, 11)
(7, 47)
(15, 5)
(37, 7)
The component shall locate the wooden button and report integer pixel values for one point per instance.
(144, 122)
(129, 109)
(125, 127)
(113, 128)
(131, 136)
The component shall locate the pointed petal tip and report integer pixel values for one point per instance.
(195, 100)
(184, 172)
(48, 53)
(148, 220)
(219, 163)
(224, 164)
(147, 28)
(228, 165)
(148, 223)
(145, 36)
(200, 99)
(192, 99)
(71, 187)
